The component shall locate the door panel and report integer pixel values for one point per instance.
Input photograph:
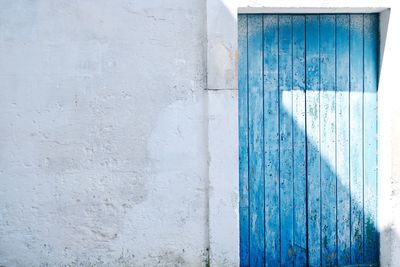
(307, 141)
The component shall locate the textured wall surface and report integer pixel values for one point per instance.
(103, 145)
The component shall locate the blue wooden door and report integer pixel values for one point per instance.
(308, 147)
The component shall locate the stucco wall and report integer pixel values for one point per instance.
(111, 151)
(103, 144)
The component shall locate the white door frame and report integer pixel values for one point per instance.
(223, 118)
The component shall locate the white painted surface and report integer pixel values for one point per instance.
(389, 151)
(103, 145)
(222, 66)
(223, 171)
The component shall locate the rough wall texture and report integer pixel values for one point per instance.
(103, 145)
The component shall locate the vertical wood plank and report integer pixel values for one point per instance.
(371, 48)
(328, 139)
(243, 142)
(271, 141)
(313, 140)
(356, 137)
(256, 142)
(286, 139)
(299, 142)
(342, 137)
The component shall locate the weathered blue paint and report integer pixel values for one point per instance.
(328, 139)
(313, 140)
(356, 137)
(286, 139)
(243, 144)
(299, 142)
(308, 124)
(371, 67)
(256, 139)
(271, 141)
(342, 139)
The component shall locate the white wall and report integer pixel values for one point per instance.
(103, 144)
(111, 151)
